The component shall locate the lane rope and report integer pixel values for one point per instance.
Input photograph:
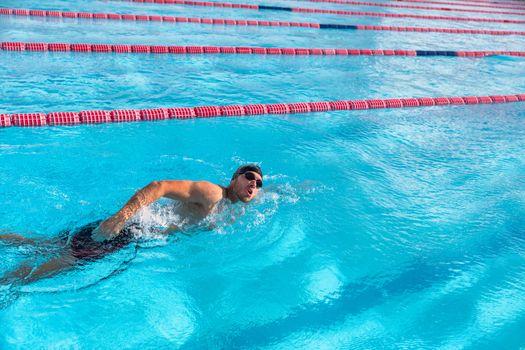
(477, 5)
(518, 2)
(116, 116)
(332, 12)
(237, 22)
(426, 8)
(195, 49)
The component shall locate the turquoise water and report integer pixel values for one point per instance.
(390, 229)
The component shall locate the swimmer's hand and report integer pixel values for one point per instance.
(108, 229)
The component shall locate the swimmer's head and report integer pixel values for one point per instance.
(246, 182)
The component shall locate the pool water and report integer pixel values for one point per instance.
(400, 228)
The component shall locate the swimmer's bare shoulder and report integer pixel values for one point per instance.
(204, 193)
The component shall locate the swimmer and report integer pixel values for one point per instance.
(198, 199)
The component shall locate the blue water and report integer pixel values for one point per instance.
(391, 229)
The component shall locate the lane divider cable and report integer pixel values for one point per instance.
(239, 22)
(195, 49)
(426, 8)
(323, 11)
(518, 7)
(115, 116)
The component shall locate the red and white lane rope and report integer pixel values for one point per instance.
(331, 12)
(239, 22)
(99, 116)
(464, 4)
(517, 2)
(426, 8)
(194, 49)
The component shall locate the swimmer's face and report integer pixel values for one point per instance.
(247, 185)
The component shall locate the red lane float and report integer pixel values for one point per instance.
(29, 119)
(92, 117)
(171, 19)
(5, 120)
(332, 12)
(119, 116)
(426, 8)
(95, 117)
(107, 48)
(63, 118)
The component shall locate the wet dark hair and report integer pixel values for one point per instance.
(246, 168)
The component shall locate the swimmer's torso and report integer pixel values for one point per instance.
(195, 212)
(194, 215)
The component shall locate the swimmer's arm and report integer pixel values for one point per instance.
(204, 193)
(143, 197)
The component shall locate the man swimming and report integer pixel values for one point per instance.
(198, 199)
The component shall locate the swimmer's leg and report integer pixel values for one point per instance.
(13, 238)
(17, 240)
(26, 273)
(53, 267)
(17, 275)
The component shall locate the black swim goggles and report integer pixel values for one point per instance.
(251, 176)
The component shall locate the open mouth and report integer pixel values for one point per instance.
(249, 191)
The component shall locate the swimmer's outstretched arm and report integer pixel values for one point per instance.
(201, 192)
